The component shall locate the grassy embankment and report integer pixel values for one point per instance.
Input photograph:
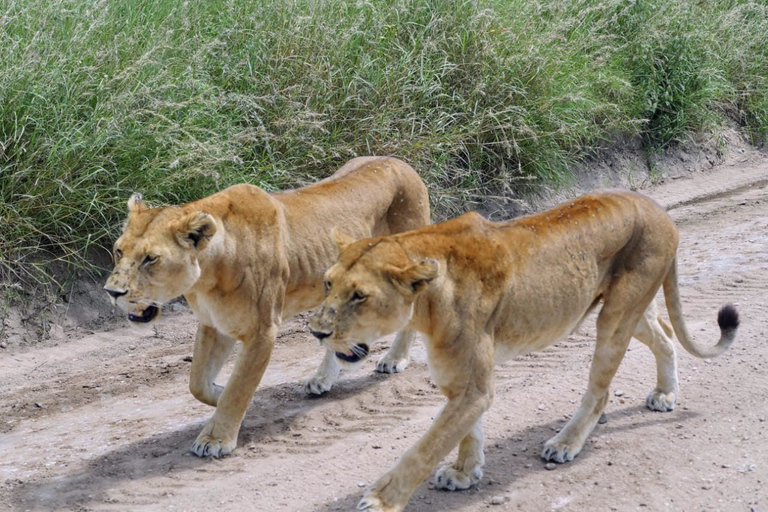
(179, 99)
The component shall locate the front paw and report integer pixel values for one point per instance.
(451, 479)
(390, 364)
(208, 444)
(318, 384)
(560, 450)
(372, 503)
(659, 401)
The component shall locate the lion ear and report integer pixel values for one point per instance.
(195, 230)
(341, 239)
(412, 280)
(136, 203)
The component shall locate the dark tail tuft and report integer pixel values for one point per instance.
(728, 318)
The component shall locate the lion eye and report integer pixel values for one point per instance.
(150, 260)
(327, 286)
(358, 297)
(118, 254)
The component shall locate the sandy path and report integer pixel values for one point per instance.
(104, 422)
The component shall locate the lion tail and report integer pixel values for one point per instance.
(727, 319)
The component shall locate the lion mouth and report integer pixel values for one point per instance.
(146, 316)
(356, 353)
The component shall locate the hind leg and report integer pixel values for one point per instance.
(612, 340)
(398, 356)
(624, 304)
(653, 331)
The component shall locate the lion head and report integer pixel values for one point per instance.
(369, 292)
(156, 257)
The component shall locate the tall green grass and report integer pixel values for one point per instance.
(179, 99)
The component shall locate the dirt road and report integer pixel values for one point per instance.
(105, 420)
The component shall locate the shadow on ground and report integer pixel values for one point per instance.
(275, 410)
(510, 449)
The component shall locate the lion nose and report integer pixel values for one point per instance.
(116, 293)
(320, 335)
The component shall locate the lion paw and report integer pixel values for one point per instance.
(371, 503)
(659, 401)
(559, 450)
(209, 445)
(318, 384)
(389, 364)
(451, 479)
(387, 494)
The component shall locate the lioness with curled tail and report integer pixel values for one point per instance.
(484, 292)
(245, 260)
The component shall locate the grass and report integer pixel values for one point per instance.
(179, 99)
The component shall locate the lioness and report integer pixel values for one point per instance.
(483, 292)
(244, 260)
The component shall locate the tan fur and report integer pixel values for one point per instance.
(245, 260)
(484, 292)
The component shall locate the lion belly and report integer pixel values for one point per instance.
(506, 348)
(521, 329)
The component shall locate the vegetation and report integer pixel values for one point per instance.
(179, 99)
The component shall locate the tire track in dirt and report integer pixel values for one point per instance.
(125, 446)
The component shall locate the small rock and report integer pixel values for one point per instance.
(610, 463)
(131, 347)
(603, 419)
(542, 407)
(187, 359)
(725, 466)
(549, 466)
(499, 500)
(3, 344)
(361, 484)
(40, 406)
(56, 332)
(618, 393)
(529, 465)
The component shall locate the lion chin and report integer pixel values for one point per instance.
(356, 353)
(144, 319)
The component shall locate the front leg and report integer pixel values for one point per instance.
(391, 492)
(470, 391)
(326, 374)
(468, 468)
(219, 437)
(398, 356)
(212, 349)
